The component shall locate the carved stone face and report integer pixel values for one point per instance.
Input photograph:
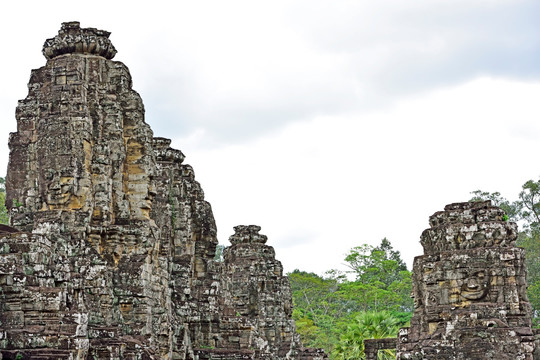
(60, 191)
(459, 286)
(475, 286)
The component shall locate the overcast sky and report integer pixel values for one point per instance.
(329, 123)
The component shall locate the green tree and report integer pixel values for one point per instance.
(367, 325)
(308, 331)
(529, 200)
(530, 241)
(383, 277)
(376, 296)
(324, 306)
(317, 307)
(381, 263)
(4, 218)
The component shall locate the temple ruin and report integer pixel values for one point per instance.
(110, 253)
(469, 290)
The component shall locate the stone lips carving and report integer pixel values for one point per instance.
(71, 39)
(7, 229)
(112, 246)
(475, 286)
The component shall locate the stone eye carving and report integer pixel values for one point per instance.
(433, 299)
(475, 286)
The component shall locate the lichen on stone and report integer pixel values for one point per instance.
(111, 245)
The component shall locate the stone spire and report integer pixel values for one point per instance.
(255, 291)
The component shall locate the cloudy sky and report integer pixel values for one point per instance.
(329, 123)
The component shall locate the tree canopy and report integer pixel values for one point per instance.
(4, 218)
(330, 310)
(380, 263)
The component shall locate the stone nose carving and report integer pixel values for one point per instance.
(476, 286)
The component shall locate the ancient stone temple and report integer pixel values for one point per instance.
(111, 250)
(469, 289)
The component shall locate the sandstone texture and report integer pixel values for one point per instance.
(469, 289)
(111, 250)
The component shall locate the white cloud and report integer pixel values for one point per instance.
(324, 186)
(330, 124)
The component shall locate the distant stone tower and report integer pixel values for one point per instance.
(469, 289)
(111, 254)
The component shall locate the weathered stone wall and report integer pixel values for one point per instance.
(114, 257)
(469, 289)
(249, 261)
(372, 347)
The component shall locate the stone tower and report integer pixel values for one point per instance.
(111, 249)
(469, 289)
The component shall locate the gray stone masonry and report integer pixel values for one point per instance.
(469, 290)
(111, 245)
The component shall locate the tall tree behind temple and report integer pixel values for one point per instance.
(381, 263)
(381, 273)
(326, 308)
(318, 308)
(531, 243)
(4, 218)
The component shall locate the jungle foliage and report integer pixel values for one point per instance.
(4, 218)
(337, 312)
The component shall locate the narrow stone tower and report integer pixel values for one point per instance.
(80, 180)
(469, 289)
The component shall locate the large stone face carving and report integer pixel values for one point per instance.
(113, 257)
(469, 289)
